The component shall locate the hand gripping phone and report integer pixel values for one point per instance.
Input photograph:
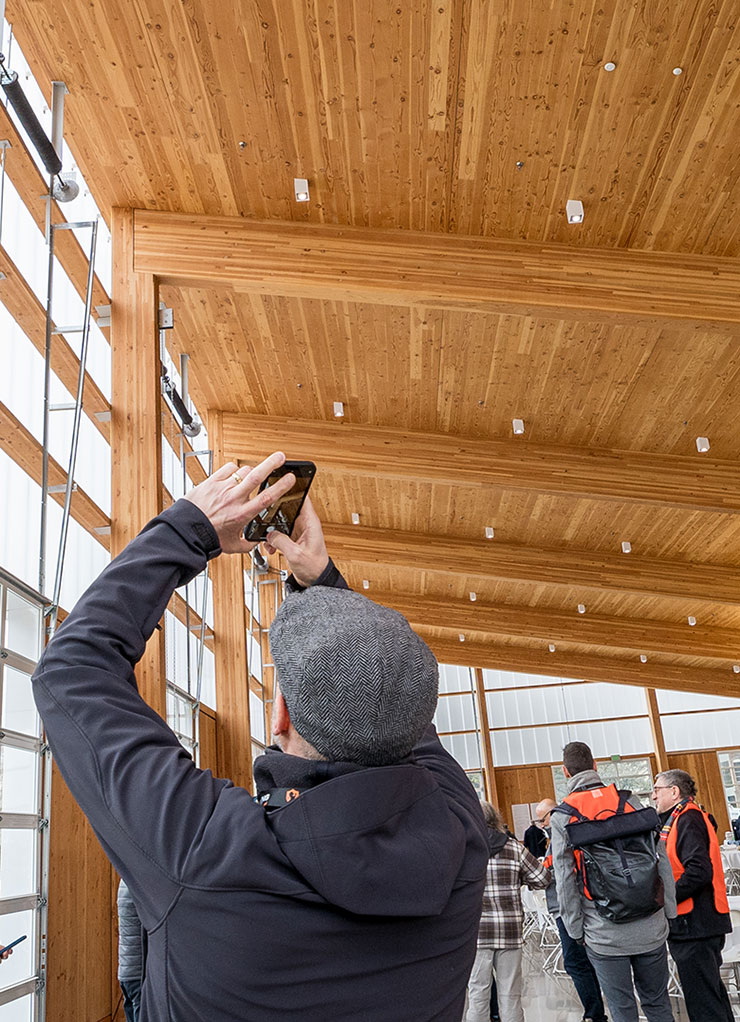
(9, 946)
(281, 516)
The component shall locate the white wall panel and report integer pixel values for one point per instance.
(702, 730)
(681, 702)
(455, 713)
(465, 749)
(510, 679)
(455, 679)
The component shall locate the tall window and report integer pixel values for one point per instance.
(634, 774)
(729, 765)
(24, 832)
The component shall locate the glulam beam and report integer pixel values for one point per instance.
(446, 271)
(491, 560)
(690, 483)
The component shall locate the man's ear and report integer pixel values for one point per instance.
(280, 715)
(566, 771)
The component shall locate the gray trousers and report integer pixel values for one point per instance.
(649, 972)
(507, 964)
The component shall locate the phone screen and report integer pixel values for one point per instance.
(281, 515)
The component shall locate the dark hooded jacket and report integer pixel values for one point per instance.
(359, 899)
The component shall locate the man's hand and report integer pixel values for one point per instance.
(226, 502)
(305, 551)
(5, 954)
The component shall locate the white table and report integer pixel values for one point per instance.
(730, 857)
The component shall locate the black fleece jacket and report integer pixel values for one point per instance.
(692, 848)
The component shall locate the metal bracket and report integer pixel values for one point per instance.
(103, 416)
(61, 488)
(41, 902)
(5, 144)
(166, 318)
(103, 312)
(43, 823)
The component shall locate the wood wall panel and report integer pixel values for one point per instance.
(208, 722)
(516, 785)
(79, 927)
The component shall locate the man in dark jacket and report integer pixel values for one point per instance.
(353, 887)
(697, 934)
(535, 839)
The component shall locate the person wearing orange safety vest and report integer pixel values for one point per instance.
(697, 935)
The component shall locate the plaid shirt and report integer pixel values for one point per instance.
(503, 916)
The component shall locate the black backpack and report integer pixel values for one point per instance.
(617, 860)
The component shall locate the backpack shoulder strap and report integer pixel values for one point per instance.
(568, 810)
(624, 795)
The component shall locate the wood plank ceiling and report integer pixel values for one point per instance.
(471, 118)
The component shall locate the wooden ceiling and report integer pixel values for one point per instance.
(466, 121)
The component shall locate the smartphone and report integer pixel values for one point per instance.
(281, 516)
(9, 946)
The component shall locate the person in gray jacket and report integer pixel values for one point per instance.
(130, 953)
(622, 953)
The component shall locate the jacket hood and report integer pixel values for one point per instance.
(383, 841)
(496, 841)
(586, 779)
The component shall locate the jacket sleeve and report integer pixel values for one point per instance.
(331, 576)
(692, 848)
(533, 873)
(564, 867)
(144, 797)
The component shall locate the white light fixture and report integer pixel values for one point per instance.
(355, 518)
(702, 444)
(610, 66)
(338, 410)
(574, 211)
(581, 608)
(473, 597)
(551, 647)
(489, 532)
(692, 620)
(365, 583)
(300, 187)
(678, 71)
(462, 637)
(643, 658)
(736, 668)
(518, 426)
(626, 546)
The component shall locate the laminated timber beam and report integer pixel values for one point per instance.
(641, 635)
(584, 667)
(478, 559)
(446, 271)
(377, 452)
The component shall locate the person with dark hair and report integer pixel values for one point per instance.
(535, 839)
(697, 934)
(500, 936)
(352, 885)
(625, 952)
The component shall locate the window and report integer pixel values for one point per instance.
(634, 774)
(729, 765)
(24, 790)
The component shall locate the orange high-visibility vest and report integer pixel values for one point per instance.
(718, 873)
(594, 804)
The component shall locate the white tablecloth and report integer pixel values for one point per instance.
(730, 857)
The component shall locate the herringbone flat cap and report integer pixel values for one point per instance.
(360, 685)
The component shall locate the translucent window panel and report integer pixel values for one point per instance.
(254, 657)
(21, 964)
(455, 713)
(681, 702)
(593, 701)
(702, 730)
(19, 710)
(251, 598)
(627, 737)
(20, 517)
(257, 750)
(530, 706)
(22, 626)
(454, 679)
(511, 679)
(180, 714)
(465, 749)
(257, 717)
(18, 770)
(84, 560)
(208, 680)
(20, 1010)
(17, 863)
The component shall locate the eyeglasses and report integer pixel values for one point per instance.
(663, 787)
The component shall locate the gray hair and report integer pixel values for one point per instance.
(683, 781)
(494, 819)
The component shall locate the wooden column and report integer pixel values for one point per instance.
(485, 736)
(136, 422)
(661, 756)
(233, 731)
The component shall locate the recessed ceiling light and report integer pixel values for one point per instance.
(702, 444)
(462, 637)
(473, 597)
(736, 668)
(355, 518)
(365, 583)
(626, 546)
(338, 409)
(518, 426)
(551, 647)
(574, 211)
(678, 71)
(692, 620)
(300, 187)
(610, 66)
(489, 532)
(643, 658)
(581, 608)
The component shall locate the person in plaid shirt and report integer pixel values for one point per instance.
(500, 936)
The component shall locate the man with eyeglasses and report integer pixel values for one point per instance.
(575, 959)
(697, 934)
